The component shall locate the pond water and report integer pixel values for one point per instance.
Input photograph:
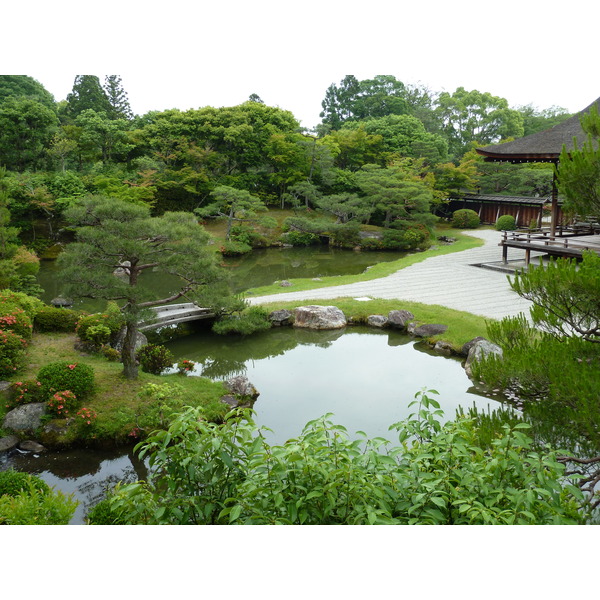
(261, 267)
(366, 377)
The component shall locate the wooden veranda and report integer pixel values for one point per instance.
(546, 146)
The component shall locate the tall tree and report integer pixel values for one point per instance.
(112, 234)
(87, 94)
(23, 86)
(473, 116)
(117, 98)
(26, 128)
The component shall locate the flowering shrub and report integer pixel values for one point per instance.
(155, 358)
(29, 304)
(185, 366)
(12, 353)
(25, 392)
(61, 403)
(86, 417)
(58, 376)
(17, 321)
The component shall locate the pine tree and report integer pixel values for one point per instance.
(87, 94)
(117, 98)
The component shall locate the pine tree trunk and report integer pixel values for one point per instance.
(130, 369)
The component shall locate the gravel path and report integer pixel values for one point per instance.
(451, 280)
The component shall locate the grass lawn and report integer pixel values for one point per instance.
(464, 242)
(123, 405)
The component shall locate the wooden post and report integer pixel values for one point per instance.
(554, 218)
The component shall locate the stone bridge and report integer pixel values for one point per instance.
(171, 314)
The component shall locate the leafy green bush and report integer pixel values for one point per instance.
(406, 239)
(232, 248)
(104, 514)
(205, 473)
(371, 244)
(59, 376)
(155, 358)
(300, 238)
(13, 482)
(51, 318)
(465, 218)
(506, 223)
(110, 318)
(251, 321)
(12, 353)
(345, 235)
(111, 354)
(34, 507)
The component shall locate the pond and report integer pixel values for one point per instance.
(260, 267)
(366, 377)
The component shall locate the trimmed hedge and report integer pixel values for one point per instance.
(465, 218)
(60, 376)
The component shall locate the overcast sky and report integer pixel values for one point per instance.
(186, 54)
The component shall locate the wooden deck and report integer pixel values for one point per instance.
(569, 243)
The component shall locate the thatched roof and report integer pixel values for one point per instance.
(544, 146)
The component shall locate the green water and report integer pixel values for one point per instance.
(366, 377)
(261, 267)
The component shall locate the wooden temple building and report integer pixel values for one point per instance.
(561, 238)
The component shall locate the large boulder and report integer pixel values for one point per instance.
(481, 349)
(427, 330)
(242, 393)
(377, 321)
(8, 443)
(279, 318)
(241, 386)
(25, 418)
(466, 347)
(140, 340)
(399, 319)
(319, 317)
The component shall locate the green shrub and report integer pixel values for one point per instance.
(34, 507)
(232, 248)
(155, 358)
(506, 223)
(62, 403)
(300, 238)
(59, 376)
(371, 244)
(246, 235)
(51, 318)
(465, 218)
(25, 392)
(110, 318)
(16, 320)
(12, 482)
(103, 514)
(111, 354)
(251, 321)
(12, 353)
(345, 236)
(407, 239)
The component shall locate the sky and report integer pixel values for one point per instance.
(188, 54)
